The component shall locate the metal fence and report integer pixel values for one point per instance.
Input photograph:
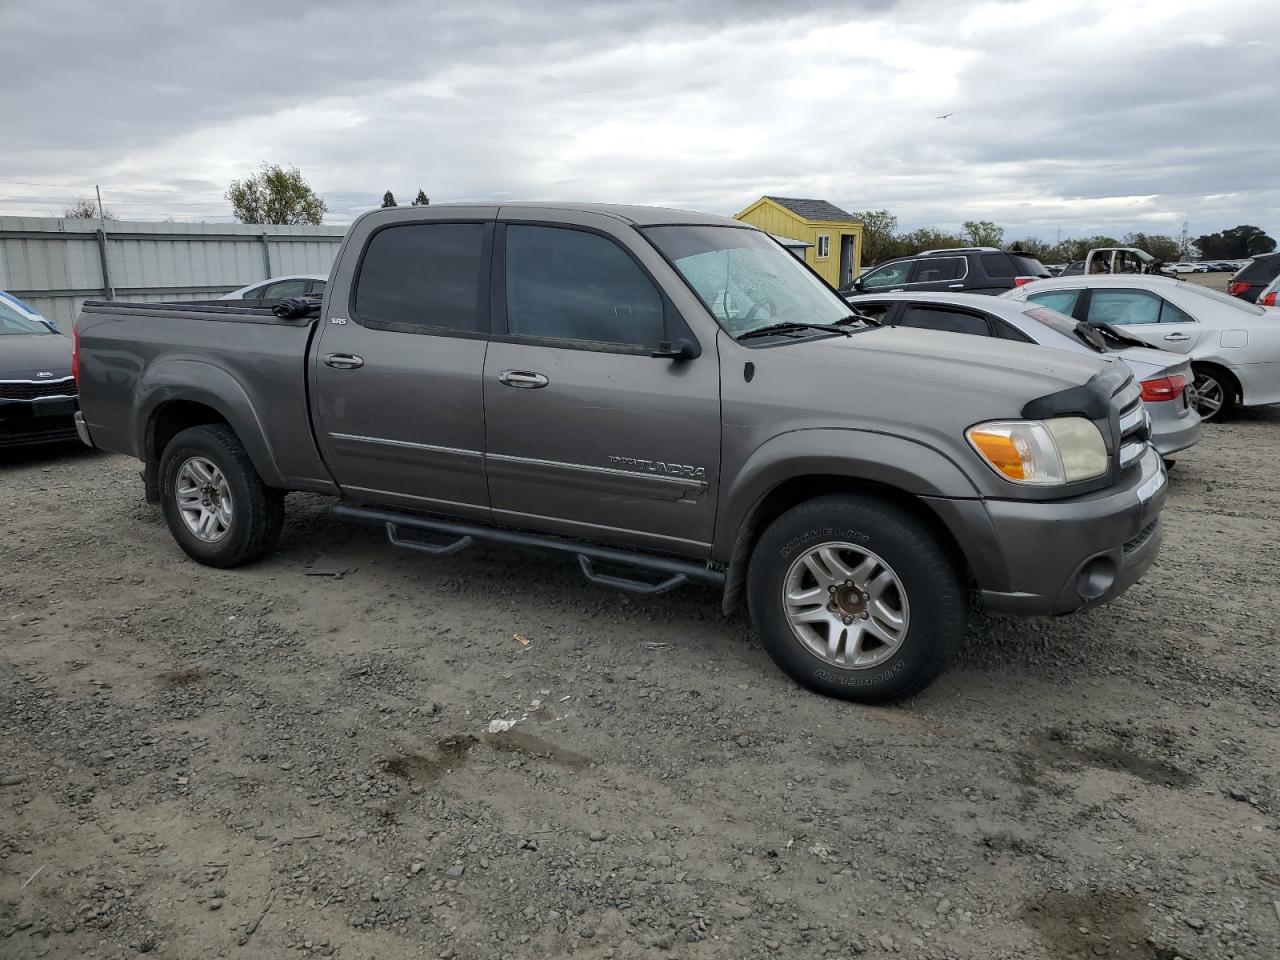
(55, 265)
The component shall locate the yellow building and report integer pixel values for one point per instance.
(835, 236)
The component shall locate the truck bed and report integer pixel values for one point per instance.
(245, 363)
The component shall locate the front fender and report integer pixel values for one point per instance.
(198, 381)
(905, 465)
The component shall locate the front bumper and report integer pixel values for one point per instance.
(1039, 558)
(26, 422)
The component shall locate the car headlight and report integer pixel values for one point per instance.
(1041, 452)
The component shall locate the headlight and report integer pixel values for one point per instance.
(1041, 452)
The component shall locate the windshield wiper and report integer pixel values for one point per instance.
(790, 325)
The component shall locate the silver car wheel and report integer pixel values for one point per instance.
(846, 606)
(204, 499)
(1207, 395)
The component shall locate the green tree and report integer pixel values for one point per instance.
(925, 238)
(1070, 250)
(983, 233)
(1034, 248)
(421, 199)
(275, 195)
(878, 228)
(388, 200)
(1159, 246)
(1235, 244)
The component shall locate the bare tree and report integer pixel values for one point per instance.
(86, 208)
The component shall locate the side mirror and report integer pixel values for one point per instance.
(857, 284)
(681, 349)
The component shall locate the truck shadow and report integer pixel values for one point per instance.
(44, 454)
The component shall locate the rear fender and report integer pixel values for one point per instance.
(197, 381)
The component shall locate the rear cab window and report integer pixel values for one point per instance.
(422, 278)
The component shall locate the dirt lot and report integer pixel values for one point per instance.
(262, 763)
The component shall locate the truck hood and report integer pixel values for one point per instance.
(25, 356)
(1009, 372)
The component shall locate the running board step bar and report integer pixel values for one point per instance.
(677, 572)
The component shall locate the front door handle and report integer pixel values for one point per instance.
(343, 361)
(522, 379)
(1177, 336)
(955, 286)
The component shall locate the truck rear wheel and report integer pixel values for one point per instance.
(216, 505)
(856, 598)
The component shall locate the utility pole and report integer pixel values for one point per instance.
(102, 219)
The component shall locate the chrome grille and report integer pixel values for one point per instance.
(35, 390)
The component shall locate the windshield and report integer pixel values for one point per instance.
(1222, 298)
(13, 322)
(747, 280)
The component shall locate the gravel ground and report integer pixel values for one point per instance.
(266, 763)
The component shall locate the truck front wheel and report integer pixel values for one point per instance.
(856, 598)
(216, 505)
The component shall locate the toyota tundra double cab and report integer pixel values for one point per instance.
(670, 398)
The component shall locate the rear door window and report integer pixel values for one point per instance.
(422, 278)
(939, 269)
(940, 318)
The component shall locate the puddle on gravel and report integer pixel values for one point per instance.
(517, 741)
(1052, 748)
(172, 679)
(451, 753)
(413, 766)
(1095, 923)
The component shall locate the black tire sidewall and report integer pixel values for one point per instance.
(934, 595)
(208, 442)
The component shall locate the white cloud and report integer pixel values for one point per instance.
(1085, 117)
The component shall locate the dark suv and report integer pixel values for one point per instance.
(971, 269)
(1249, 280)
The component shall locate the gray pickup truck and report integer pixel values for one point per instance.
(666, 396)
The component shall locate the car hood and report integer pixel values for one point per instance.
(1008, 372)
(26, 356)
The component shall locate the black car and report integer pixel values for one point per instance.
(38, 395)
(1250, 279)
(971, 269)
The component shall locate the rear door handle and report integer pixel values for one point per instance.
(522, 379)
(1177, 336)
(343, 361)
(955, 286)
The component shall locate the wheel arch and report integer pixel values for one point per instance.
(186, 393)
(894, 470)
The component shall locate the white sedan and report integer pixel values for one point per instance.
(1234, 346)
(277, 288)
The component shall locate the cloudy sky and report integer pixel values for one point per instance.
(1081, 117)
